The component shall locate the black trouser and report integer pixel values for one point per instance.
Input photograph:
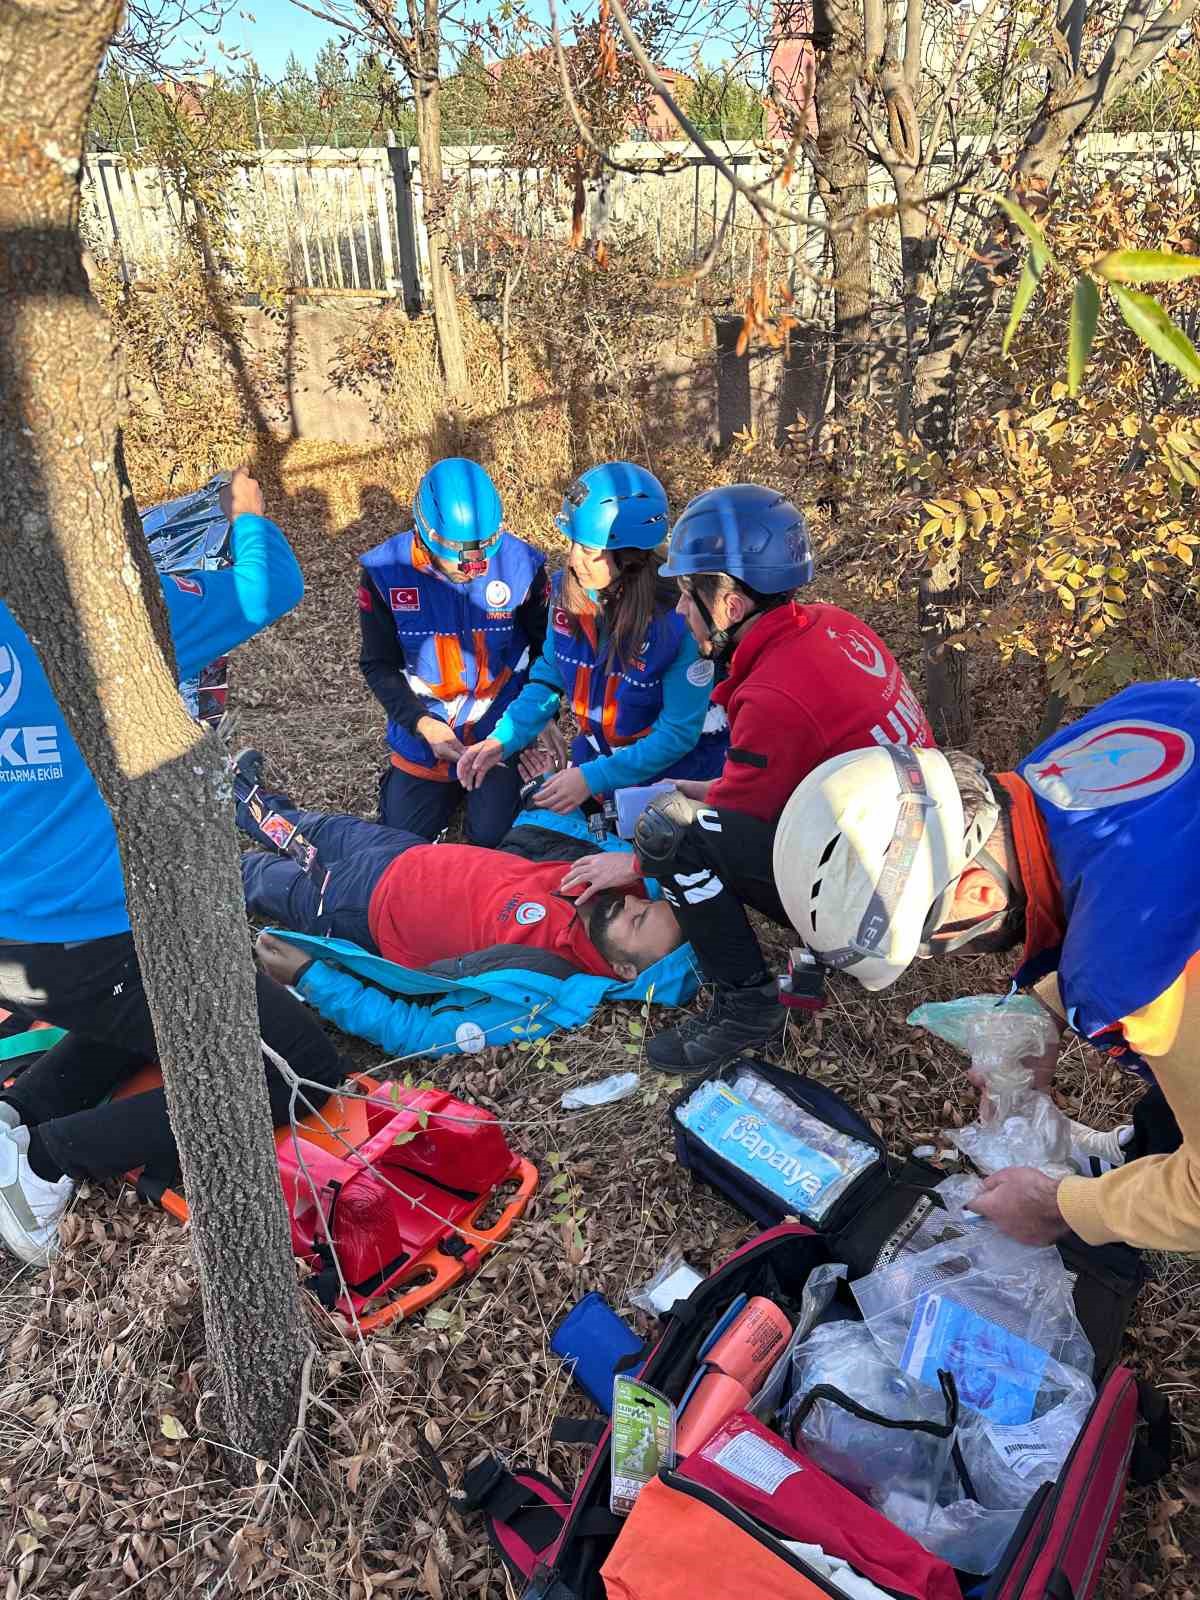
(94, 990)
(1155, 1130)
(721, 866)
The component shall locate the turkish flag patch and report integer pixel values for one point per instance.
(404, 599)
(562, 621)
(365, 603)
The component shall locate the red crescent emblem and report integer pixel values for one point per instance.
(1142, 758)
(1174, 750)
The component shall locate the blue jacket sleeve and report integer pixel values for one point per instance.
(535, 705)
(677, 730)
(212, 612)
(404, 1028)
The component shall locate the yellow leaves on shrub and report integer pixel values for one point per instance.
(1053, 502)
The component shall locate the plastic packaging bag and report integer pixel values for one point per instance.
(970, 1536)
(673, 1281)
(962, 1022)
(795, 1155)
(819, 1289)
(604, 1093)
(951, 1220)
(1006, 1464)
(998, 1315)
(856, 1155)
(1018, 1126)
(904, 1465)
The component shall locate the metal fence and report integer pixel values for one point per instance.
(327, 218)
(343, 222)
(352, 223)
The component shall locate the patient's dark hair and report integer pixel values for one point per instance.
(598, 915)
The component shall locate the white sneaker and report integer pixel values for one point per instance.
(10, 1117)
(30, 1207)
(1096, 1152)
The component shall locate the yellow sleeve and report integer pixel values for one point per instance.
(1048, 993)
(1154, 1202)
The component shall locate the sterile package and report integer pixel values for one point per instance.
(802, 1160)
(998, 1315)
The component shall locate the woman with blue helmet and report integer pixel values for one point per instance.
(452, 612)
(617, 652)
(806, 681)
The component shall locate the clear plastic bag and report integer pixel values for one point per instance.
(998, 1315)
(1019, 1125)
(968, 1022)
(819, 1290)
(879, 1463)
(970, 1536)
(1006, 1464)
(673, 1281)
(604, 1093)
(951, 1220)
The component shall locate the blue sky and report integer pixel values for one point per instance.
(270, 30)
(278, 29)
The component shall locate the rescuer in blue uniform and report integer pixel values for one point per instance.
(66, 950)
(452, 613)
(617, 653)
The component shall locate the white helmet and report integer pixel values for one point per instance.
(868, 852)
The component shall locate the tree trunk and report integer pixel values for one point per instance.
(427, 104)
(85, 591)
(941, 613)
(840, 163)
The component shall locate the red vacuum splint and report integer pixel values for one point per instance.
(391, 1189)
(385, 1194)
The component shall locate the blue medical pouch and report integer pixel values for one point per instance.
(598, 1344)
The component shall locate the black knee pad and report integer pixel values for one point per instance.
(662, 830)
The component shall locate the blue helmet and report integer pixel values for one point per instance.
(747, 532)
(615, 507)
(457, 513)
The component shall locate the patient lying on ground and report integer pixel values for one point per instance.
(423, 905)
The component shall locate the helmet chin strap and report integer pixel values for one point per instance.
(721, 641)
(965, 935)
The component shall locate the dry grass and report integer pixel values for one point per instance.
(100, 1501)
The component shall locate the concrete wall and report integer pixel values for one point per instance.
(318, 410)
(706, 391)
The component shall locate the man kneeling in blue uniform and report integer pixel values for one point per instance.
(66, 951)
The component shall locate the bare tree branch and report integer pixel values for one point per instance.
(1169, 23)
(763, 209)
(982, 19)
(873, 32)
(636, 168)
(914, 22)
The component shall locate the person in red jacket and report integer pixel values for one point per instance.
(422, 905)
(805, 682)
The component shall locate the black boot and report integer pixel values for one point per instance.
(737, 1020)
(247, 772)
